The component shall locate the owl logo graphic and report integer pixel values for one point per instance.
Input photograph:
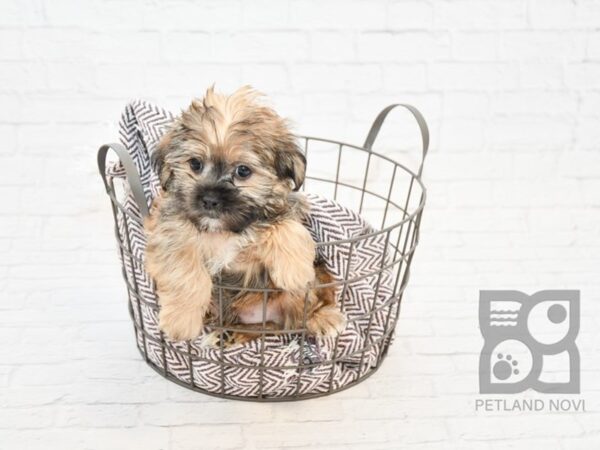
(529, 342)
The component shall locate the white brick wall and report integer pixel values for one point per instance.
(511, 89)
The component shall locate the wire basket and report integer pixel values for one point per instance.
(382, 191)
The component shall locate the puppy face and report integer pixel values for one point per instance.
(229, 162)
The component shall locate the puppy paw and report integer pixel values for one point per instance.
(326, 322)
(230, 339)
(289, 254)
(210, 340)
(239, 338)
(295, 278)
(181, 324)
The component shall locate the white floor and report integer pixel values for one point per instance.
(71, 377)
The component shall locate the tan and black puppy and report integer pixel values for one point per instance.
(230, 170)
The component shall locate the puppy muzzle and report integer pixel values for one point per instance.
(215, 200)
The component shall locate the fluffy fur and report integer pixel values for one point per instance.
(229, 210)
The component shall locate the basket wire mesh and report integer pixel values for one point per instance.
(392, 198)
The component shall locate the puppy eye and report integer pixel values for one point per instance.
(196, 164)
(243, 171)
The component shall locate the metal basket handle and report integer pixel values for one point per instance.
(133, 177)
(378, 122)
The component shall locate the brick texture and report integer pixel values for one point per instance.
(511, 90)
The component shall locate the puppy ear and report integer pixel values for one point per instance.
(158, 161)
(291, 163)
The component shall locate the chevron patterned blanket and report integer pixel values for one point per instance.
(236, 372)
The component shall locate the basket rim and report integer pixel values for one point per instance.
(410, 216)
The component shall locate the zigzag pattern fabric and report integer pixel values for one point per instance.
(241, 370)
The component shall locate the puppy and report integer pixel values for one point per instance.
(230, 210)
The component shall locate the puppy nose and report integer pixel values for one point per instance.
(210, 200)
